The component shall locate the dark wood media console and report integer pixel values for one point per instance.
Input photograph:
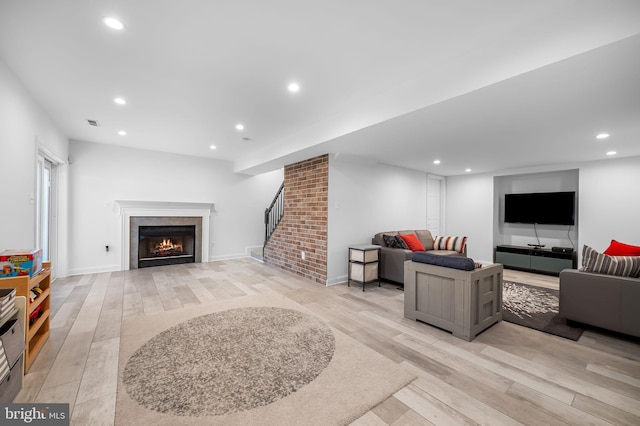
(538, 260)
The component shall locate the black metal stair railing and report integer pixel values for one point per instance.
(273, 214)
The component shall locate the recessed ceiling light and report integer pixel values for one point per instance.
(122, 133)
(239, 126)
(436, 161)
(467, 170)
(602, 136)
(212, 146)
(120, 101)
(293, 87)
(113, 23)
(611, 153)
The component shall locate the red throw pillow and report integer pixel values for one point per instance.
(621, 249)
(412, 242)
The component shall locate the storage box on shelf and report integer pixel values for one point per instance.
(36, 316)
(11, 345)
(364, 264)
(20, 262)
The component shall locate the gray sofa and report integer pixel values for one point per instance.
(392, 259)
(601, 300)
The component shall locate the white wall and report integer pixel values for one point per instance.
(23, 126)
(367, 198)
(100, 174)
(469, 212)
(608, 204)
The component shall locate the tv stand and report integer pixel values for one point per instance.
(535, 258)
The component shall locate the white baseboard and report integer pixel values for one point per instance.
(93, 270)
(115, 268)
(227, 257)
(249, 249)
(337, 280)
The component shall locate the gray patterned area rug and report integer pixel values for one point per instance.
(537, 308)
(260, 360)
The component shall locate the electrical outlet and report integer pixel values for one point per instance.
(303, 255)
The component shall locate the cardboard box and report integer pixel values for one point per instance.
(15, 263)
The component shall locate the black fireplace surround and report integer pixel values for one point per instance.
(164, 240)
(166, 245)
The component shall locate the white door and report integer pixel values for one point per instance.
(435, 205)
(45, 221)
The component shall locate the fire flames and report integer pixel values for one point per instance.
(167, 247)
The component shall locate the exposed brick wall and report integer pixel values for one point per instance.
(304, 225)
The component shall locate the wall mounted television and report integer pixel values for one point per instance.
(545, 208)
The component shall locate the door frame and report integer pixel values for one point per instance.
(439, 180)
(45, 159)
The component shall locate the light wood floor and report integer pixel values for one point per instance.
(507, 375)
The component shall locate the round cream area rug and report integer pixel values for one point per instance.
(229, 361)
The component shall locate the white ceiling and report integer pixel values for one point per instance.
(484, 85)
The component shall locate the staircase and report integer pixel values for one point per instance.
(272, 216)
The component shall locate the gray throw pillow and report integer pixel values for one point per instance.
(600, 263)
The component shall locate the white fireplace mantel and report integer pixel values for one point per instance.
(128, 209)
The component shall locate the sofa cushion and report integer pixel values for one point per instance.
(425, 238)
(622, 266)
(621, 249)
(455, 262)
(412, 242)
(450, 243)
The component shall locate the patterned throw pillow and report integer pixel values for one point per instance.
(394, 241)
(389, 240)
(401, 243)
(622, 266)
(450, 243)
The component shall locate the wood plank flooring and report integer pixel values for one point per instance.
(507, 375)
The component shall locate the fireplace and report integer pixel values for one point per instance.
(164, 240)
(166, 245)
(136, 214)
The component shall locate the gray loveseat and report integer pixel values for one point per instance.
(605, 301)
(392, 259)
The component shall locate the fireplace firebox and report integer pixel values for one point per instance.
(166, 245)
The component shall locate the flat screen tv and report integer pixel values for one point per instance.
(547, 208)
